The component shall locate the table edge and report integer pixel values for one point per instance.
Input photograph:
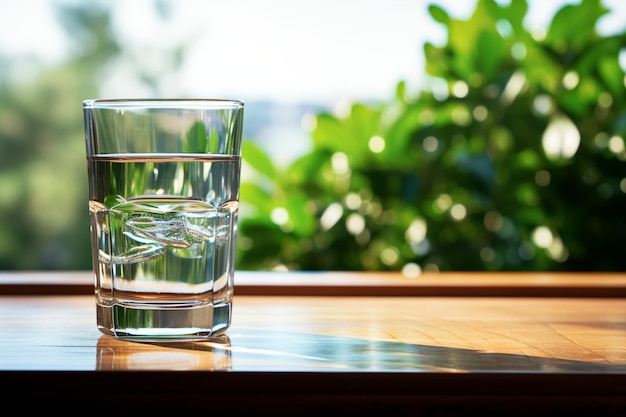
(352, 283)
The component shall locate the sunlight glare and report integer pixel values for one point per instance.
(389, 255)
(376, 144)
(570, 80)
(442, 203)
(460, 89)
(616, 145)
(331, 216)
(411, 270)
(340, 163)
(542, 237)
(458, 212)
(355, 224)
(561, 138)
(513, 88)
(543, 105)
(480, 113)
(430, 144)
(416, 232)
(353, 201)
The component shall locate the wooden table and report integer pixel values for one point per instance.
(313, 343)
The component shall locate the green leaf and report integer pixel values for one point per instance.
(572, 102)
(302, 220)
(527, 159)
(307, 168)
(514, 13)
(489, 53)
(196, 139)
(531, 215)
(257, 159)
(328, 132)
(399, 133)
(517, 13)
(254, 195)
(401, 91)
(439, 14)
(436, 60)
(526, 194)
(212, 142)
(575, 24)
(364, 125)
(612, 75)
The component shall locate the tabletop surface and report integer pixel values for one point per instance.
(407, 334)
(559, 347)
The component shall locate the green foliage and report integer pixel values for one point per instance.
(513, 160)
(44, 218)
(196, 141)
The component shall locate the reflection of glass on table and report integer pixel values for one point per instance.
(114, 354)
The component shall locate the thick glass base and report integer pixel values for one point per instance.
(163, 324)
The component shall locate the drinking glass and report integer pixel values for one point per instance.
(163, 201)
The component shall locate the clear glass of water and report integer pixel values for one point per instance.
(163, 202)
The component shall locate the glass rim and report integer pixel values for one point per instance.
(179, 103)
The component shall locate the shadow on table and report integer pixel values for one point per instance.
(253, 350)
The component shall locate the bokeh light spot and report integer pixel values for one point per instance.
(376, 144)
(411, 270)
(430, 144)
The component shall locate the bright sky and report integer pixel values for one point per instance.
(283, 50)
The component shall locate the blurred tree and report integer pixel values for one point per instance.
(512, 159)
(44, 220)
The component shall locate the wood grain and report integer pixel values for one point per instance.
(353, 354)
(336, 333)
